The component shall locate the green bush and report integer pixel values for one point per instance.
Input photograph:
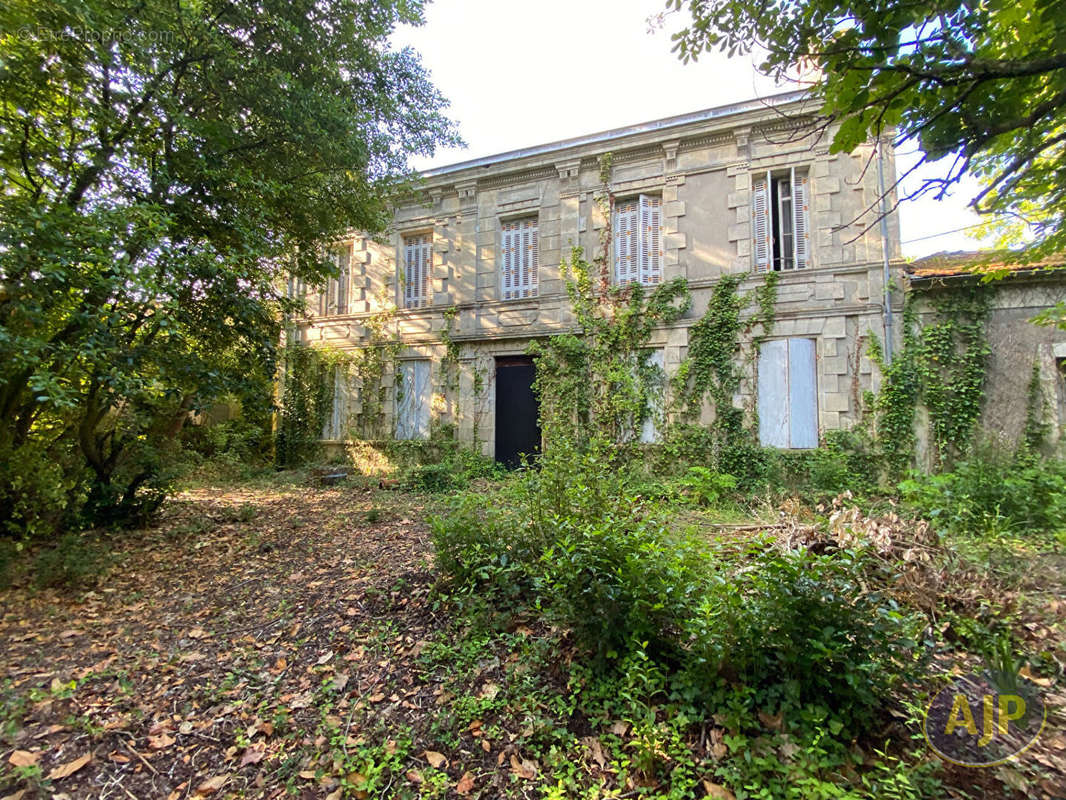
(621, 583)
(40, 492)
(800, 629)
(572, 541)
(706, 487)
(992, 494)
(456, 468)
(845, 461)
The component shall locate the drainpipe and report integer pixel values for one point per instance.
(886, 275)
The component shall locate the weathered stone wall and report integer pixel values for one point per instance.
(703, 171)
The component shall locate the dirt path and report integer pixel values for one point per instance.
(237, 649)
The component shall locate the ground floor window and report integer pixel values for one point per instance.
(412, 400)
(649, 432)
(335, 426)
(788, 394)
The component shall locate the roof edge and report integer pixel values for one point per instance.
(716, 112)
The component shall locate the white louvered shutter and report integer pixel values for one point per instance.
(760, 222)
(651, 251)
(508, 234)
(524, 242)
(344, 259)
(520, 260)
(801, 219)
(424, 262)
(534, 259)
(627, 242)
(417, 261)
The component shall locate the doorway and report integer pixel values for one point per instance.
(517, 411)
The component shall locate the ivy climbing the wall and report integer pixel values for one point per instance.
(308, 391)
(941, 368)
(711, 373)
(368, 368)
(597, 383)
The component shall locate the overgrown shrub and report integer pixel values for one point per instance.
(845, 461)
(440, 463)
(992, 493)
(572, 540)
(40, 490)
(800, 629)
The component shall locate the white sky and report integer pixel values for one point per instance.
(520, 74)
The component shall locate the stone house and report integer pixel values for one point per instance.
(1019, 351)
(741, 189)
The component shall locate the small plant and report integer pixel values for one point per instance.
(703, 486)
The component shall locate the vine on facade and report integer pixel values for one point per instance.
(710, 372)
(307, 392)
(597, 383)
(369, 367)
(941, 368)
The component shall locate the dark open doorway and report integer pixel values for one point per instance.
(517, 412)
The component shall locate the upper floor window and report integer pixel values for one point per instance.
(780, 210)
(417, 260)
(334, 299)
(638, 250)
(519, 258)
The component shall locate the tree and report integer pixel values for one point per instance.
(980, 85)
(164, 166)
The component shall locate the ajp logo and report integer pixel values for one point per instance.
(978, 722)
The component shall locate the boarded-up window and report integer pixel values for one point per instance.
(417, 261)
(638, 250)
(336, 424)
(649, 432)
(788, 395)
(412, 400)
(780, 220)
(519, 258)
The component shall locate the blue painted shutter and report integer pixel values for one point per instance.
(413, 400)
(802, 394)
(788, 394)
(649, 432)
(773, 393)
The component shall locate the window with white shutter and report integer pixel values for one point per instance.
(519, 258)
(335, 426)
(412, 400)
(342, 257)
(638, 250)
(780, 221)
(417, 261)
(333, 299)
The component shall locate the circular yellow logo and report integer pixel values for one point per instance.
(973, 722)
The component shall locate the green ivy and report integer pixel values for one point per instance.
(368, 366)
(941, 368)
(307, 390)
(710, 372)
(596, 383)
(306, 401)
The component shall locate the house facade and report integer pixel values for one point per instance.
(470, 269)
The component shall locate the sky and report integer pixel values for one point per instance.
(519, 74)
